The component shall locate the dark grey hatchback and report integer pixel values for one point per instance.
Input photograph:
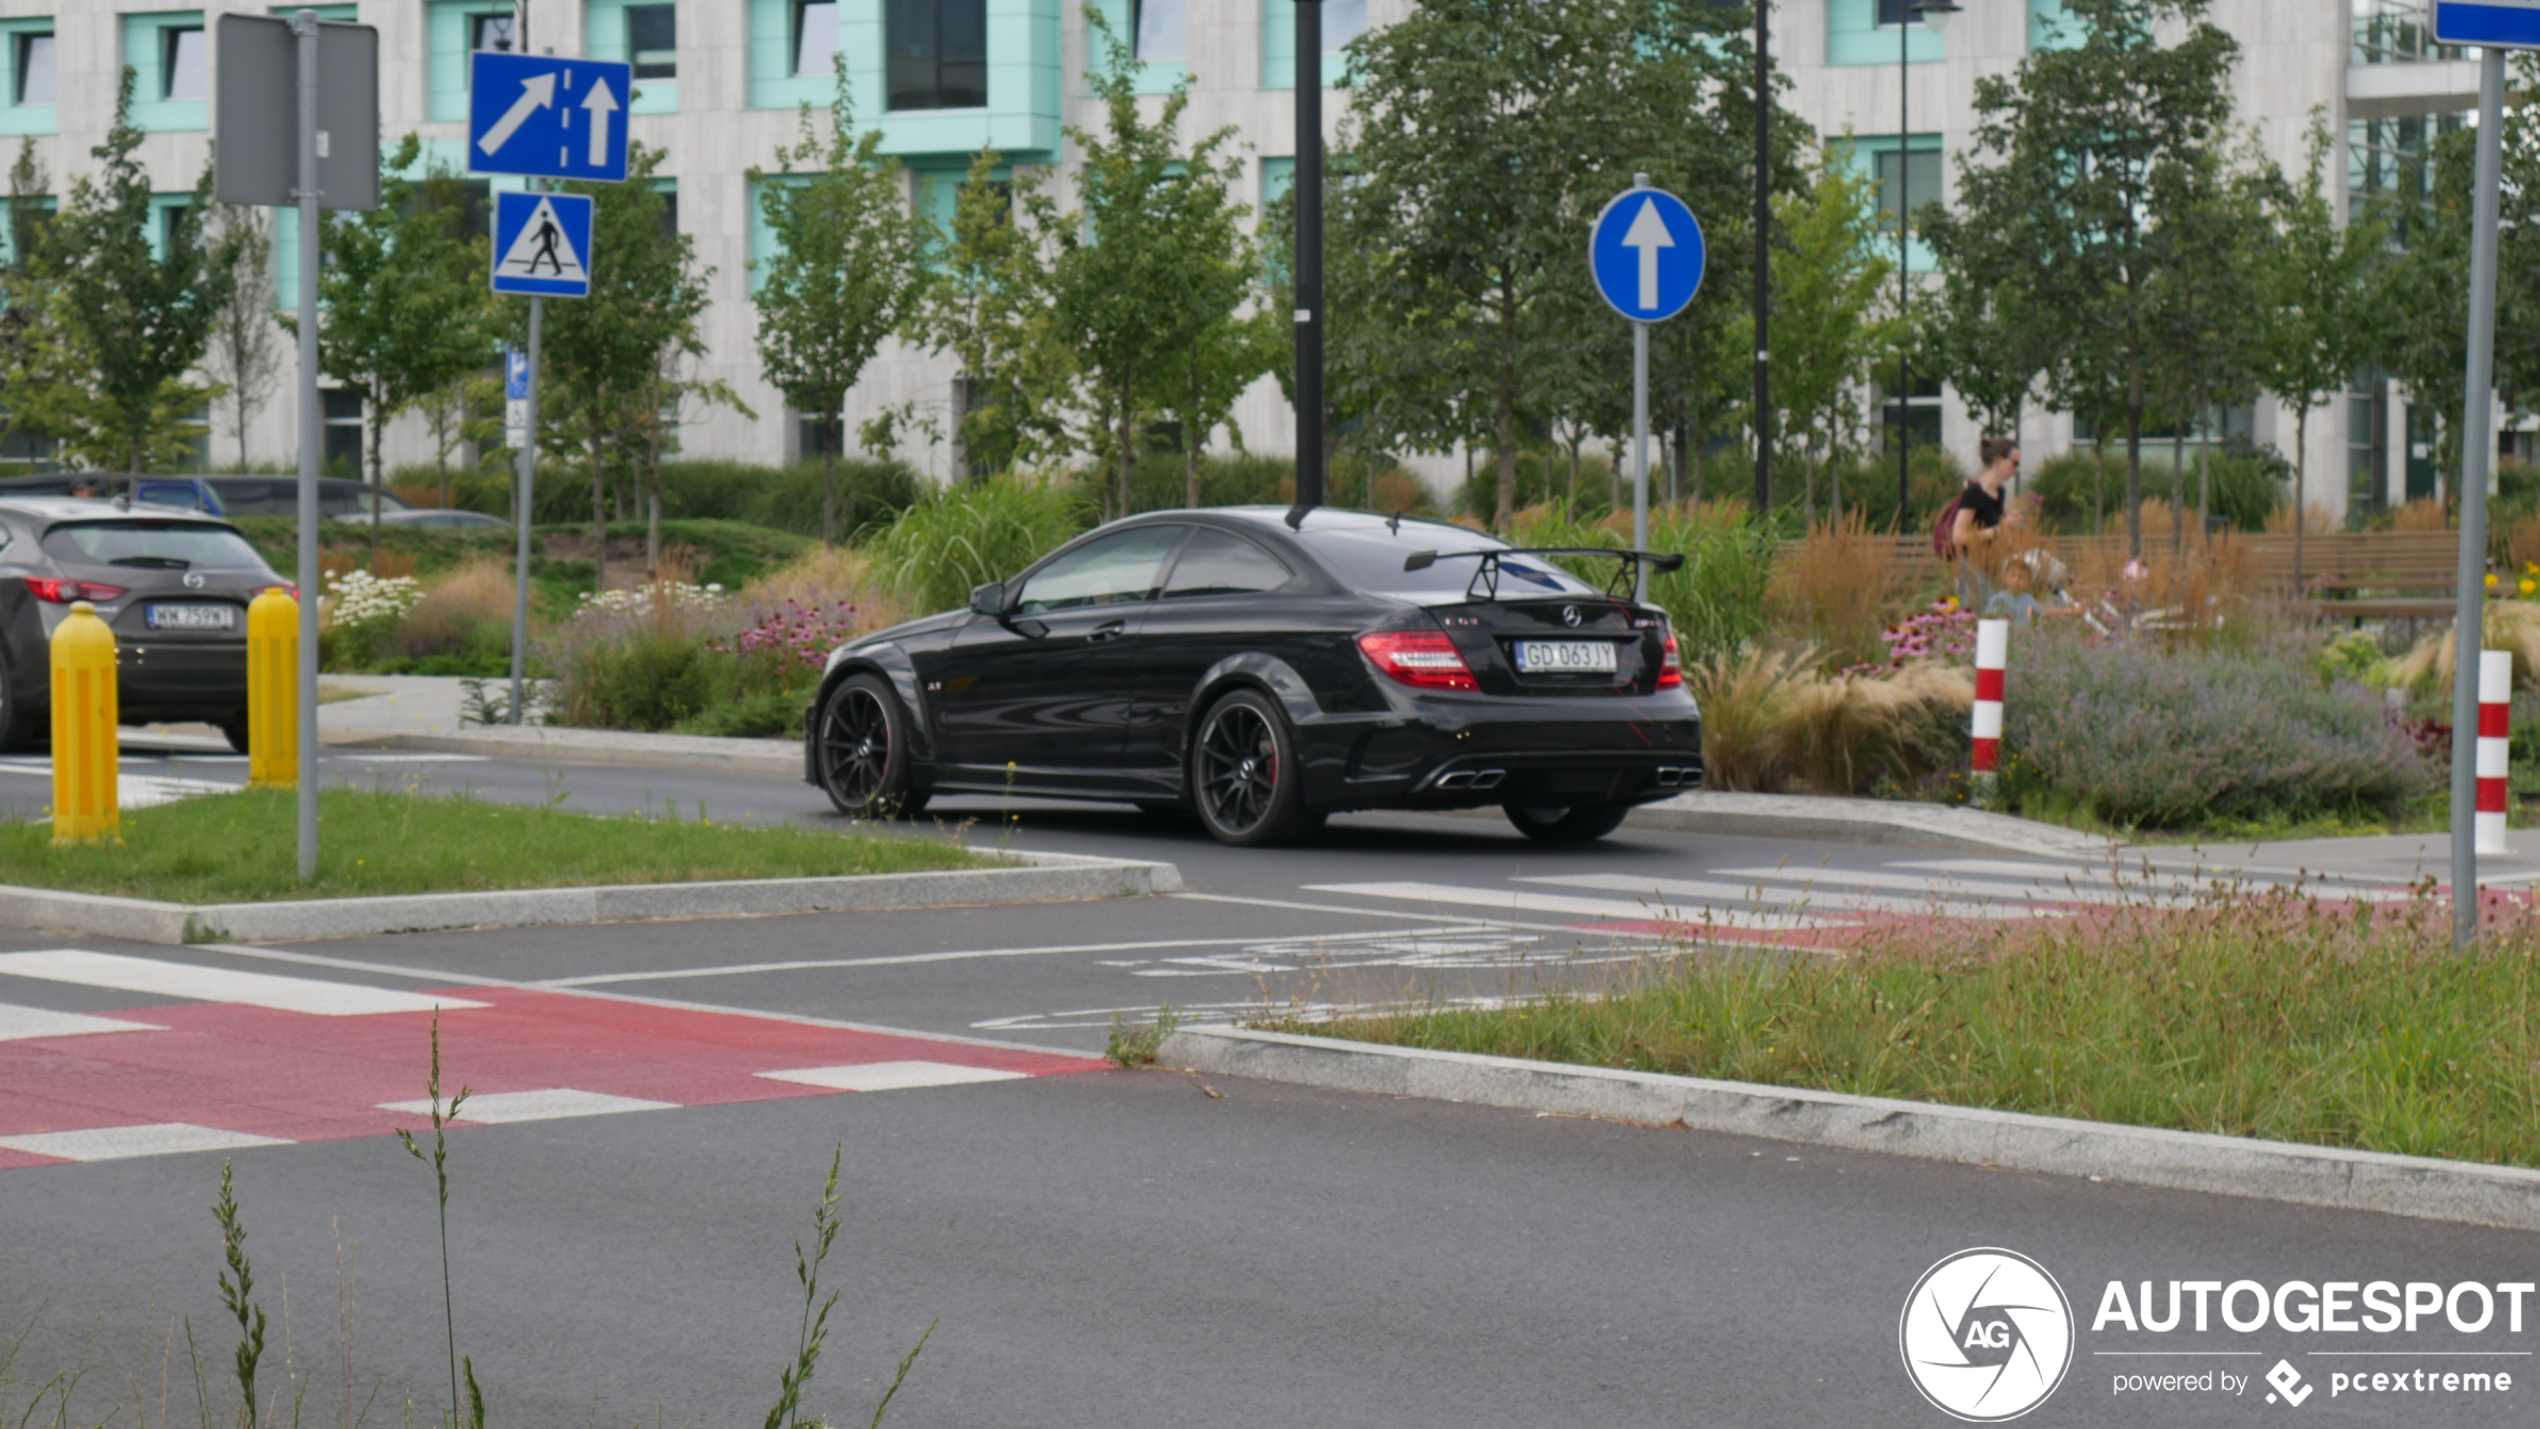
(174, 588)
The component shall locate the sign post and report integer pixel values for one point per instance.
(296, 123)
(2496, 26)
(521, 121)
(1646, 253)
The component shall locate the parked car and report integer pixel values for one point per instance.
(441, 519)
(174, 587)
(280, 496)
(183, 493)
(1263, 677)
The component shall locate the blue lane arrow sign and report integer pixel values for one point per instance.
(546, 117)
(1647, 254)
(2504, 23)
(542, 246)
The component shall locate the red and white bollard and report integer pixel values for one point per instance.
(2495, 720)
(1993, 648)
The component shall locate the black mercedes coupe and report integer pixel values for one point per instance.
(1263, 676)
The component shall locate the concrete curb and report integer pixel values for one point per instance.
(1867, 821)
(2421, 1187)
(1044, 878)
(534, 743)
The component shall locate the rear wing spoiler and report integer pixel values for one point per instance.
(1485, 582)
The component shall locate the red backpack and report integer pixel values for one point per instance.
(1943, 533)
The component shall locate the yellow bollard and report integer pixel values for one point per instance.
(84, 750)
(273, 690)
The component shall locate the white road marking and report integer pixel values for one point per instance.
(2078, 891)
(140, 791)
(549, 1104)
(17, 1024)
(1817, 899)
(1610, 910)
(202, 984)
(114, 1143)
(1358, 912)
(897, 959)
(355, 757)
(891, 1076)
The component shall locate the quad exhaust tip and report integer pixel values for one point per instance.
(1472, 779)
(1671, 778)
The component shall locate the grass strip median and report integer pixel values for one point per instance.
(2270, 1018)
(243, 847)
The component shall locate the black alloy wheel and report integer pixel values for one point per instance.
(1583, 824)
(1245, 777)
(862, 743)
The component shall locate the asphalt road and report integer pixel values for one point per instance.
(1101, 1247)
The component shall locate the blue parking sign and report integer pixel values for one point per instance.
(542, 245)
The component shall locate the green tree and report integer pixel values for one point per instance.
(2085, 159)
(2313, 306)
(39, 390)
(1830, 280)
(2205, 337)
(603, 355)
(1484, 136)
(848, 271)
(246, 345)
(137, 317)
(989, 306)
(1148, 261)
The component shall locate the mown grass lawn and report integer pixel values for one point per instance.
(2269, 1019)
(228, 848)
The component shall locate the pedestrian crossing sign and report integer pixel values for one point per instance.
(542, 244)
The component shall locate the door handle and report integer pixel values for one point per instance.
(1109, 630)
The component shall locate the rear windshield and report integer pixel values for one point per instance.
(152, 545)
(1370, 559)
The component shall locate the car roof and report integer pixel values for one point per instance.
(1320, 519)
(84, 508)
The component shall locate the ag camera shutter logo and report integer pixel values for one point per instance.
(1986, 1335)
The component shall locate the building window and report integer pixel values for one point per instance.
(342, 453)
(172, 226)
(1163, 29)
(185, 62)
(815, 37)
(1918, 414)
(491, 32)
(938, 53)
(36, 76)
(1343, 21)
(1911, 177)
(652, 41)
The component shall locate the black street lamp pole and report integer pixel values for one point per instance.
(1763, 259)
(1309, 259)
(1936, 12)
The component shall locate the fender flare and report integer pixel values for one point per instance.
(1269, 674)
(893, 664)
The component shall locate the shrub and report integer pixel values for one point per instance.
(360, 611)
(2144, 736)
(2081, 490)
(783, 498)
(1716, 599)
(462, 626)
(972, 534)
(1836, 590)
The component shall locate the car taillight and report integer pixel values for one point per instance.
(61, 592)
(1671, 670)
(1422, 658)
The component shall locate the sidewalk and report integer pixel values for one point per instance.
(422, 712)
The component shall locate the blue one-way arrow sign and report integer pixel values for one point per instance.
(1647, 254)
(548, 118)
(2508, 23)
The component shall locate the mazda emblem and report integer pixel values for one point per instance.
(1569, 615)
(194, 581)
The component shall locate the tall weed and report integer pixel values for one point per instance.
(971, 535)
(1839, 588)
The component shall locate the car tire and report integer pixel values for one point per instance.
(861, 743)
(19, 726)
(1584, 824)
(1247, 783)
(234, 729)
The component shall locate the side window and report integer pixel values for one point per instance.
(1114, 570)
(1223, 563)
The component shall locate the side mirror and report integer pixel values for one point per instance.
(988, 599)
